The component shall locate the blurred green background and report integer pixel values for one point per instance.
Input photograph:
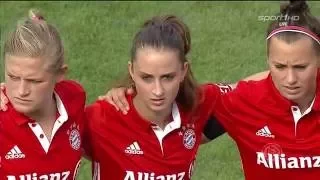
(228, 43)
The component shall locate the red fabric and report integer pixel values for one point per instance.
(33, 162)
(111, 133)
(282, 154)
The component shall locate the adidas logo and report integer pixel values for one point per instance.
(133, 148)
(265, 132)
(15, 153)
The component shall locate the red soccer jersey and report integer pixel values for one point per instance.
(274, 139)
(128, 147)
(26, 154)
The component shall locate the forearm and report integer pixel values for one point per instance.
(257, 76)
(253, 77)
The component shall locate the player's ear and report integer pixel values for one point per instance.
(184, 70)
(130, 69)
(62, 72)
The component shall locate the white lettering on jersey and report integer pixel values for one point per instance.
(34, 176)
(96, 172)
(151, 176)
(316, 161)
(224, 88)
(280, 161)
(129, 176)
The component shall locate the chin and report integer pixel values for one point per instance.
(293, 98)
(158, 108)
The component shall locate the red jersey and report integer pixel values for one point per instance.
(26, 153)
(128, 147)
(274, 139)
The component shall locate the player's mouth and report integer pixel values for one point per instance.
(292, 89)
(157, 102)
(23, 101)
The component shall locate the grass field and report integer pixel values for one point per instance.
(227, 44)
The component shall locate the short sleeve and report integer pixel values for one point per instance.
(222, 105)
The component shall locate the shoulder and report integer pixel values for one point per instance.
(100, 110)
(98, 107)
(209, 92)
(72, 96)
(69, 87)
(206, 99)
(247, 93)
(69, 90)
(217, 94)
(252, 88)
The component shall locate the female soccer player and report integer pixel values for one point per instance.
(160, 135)
(275, 121)
(40, 133)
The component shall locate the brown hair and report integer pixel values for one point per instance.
(295, 13)
(34, 37)
(167, 32)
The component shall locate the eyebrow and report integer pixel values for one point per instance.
(166, 74)
(29, 79)
(294, 65)
(10, 73)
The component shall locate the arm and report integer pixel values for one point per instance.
(116, 96)
(3, 99)
(254, 77)
(212, 130)
(87, 144)
(258, 76)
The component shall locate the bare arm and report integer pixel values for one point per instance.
(3, 98)
(116, 96)
(258, 76)
(254, 77)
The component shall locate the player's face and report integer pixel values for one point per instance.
(29, 85)
(294, 68)
(157, 74)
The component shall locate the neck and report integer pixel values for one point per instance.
(46, 113)
(303, 106)
(46, 118)
(161, 118)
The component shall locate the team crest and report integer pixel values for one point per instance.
(74, 136)
(189, 138)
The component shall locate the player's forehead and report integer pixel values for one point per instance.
(302, 48)
(25, 66)
(157, 61)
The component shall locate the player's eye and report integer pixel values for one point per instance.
(13, 78)
(168, 77)
(280, 66)
(146, 78)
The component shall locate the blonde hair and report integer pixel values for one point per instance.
(35, 38)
